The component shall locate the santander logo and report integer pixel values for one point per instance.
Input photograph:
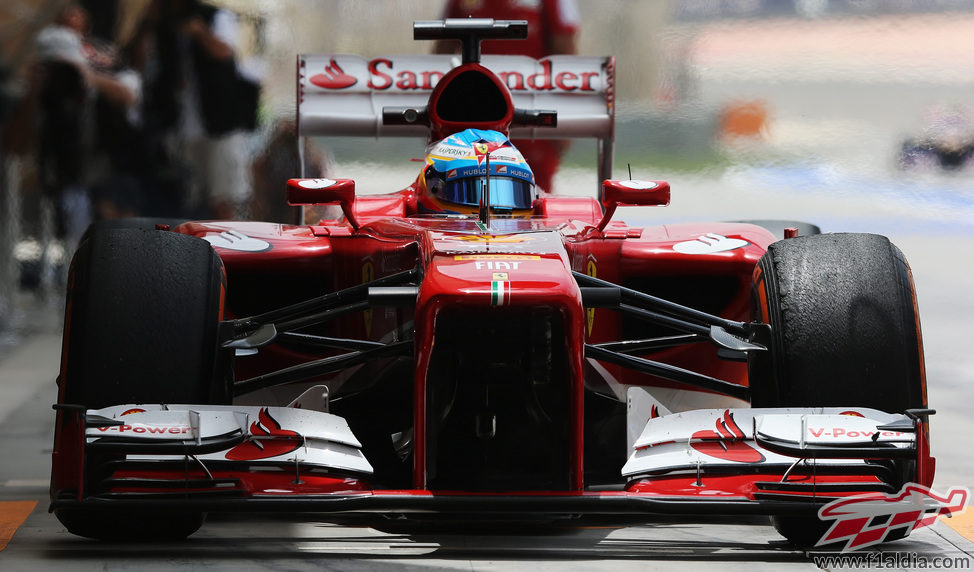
(233, 240)
(726, 442)
(710, 243)
(390, 74)
(268, 439)
(334, 77)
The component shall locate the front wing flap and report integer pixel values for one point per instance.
(751, 438)
(216, 434)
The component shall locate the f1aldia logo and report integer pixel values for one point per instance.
(865, 520)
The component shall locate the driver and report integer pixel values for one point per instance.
(456, 173)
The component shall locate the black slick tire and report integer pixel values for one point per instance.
(845, 332)
(141, 326)
(144, 223)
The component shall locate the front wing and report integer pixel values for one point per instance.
(246, 458)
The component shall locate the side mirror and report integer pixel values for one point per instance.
(632, 193)
(323, 192)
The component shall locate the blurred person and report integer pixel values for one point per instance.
(71, 74)
(279, 161)
(121, 165)
(552, 30)
(155, 152)
(217, 107)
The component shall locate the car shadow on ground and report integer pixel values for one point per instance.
(276, 540)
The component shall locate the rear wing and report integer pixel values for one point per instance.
(344, 95)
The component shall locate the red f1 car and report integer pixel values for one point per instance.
(471, 348)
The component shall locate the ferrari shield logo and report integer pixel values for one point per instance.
(592, 270)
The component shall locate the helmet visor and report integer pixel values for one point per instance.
(504, 192)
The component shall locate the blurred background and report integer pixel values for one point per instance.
(856, 115)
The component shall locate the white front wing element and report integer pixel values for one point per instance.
(839, 430)
(726, 437)
(260, 435)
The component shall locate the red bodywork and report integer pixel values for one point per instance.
(458, 265)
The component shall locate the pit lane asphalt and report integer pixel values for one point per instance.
(944, 280)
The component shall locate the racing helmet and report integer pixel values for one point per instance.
(455, 175)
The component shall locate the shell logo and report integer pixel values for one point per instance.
(852, 414)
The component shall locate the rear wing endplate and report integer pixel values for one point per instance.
(344, 95)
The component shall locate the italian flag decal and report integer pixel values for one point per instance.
(500, 293)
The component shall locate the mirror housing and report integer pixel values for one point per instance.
(632, 193)
(324, 192)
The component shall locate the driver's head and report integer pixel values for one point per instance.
(456, 173)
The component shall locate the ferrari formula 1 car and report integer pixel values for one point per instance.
(469, 348)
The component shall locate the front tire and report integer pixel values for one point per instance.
(141, 326)
(845, 332)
